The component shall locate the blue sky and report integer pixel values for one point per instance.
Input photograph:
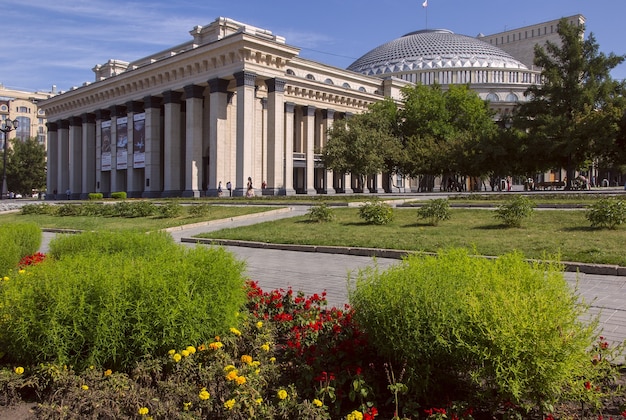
(58, 42)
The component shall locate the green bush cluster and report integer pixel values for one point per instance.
(515, 211)
(500, 329)
(128, 209)
(435, 211)
(607, 213)
(17, 241)
(320, 213)
(119, 195)
(170, 209)
(199, 210)
(96, 196)
(109, 299)
(376, 212)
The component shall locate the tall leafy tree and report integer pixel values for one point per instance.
(574, 114)
(364, 144)
(26, 166)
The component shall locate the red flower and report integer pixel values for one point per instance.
(588, 385)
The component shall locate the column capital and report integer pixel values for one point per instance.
(194, 92)
(52, 126)
(328, 114)
(117, 110)
(172, 97)
(264, 103)
(64, 124)
(88, 118)
(276, 85)
(218, 85)
(290, 107)
(151, 102)
(245, 78)
(134, 106)
(76, 121)
(103, 114)
(308, 111)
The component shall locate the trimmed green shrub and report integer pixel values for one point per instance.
(607, 213)
(320, 213)
(515, 210)
(170, 209)
(502, 329)
(199, 210)
(117, 298)
(435, 211)
(96, 196)
(120, 195)
(376, 212)
(38, 209)
(69, 210)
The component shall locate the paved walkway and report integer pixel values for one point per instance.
(314, 272)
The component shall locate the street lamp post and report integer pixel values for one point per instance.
(6, 128)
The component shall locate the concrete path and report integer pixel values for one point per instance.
(314, 272)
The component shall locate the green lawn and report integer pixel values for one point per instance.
(551, 232)
(144, 224)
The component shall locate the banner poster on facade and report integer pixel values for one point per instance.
(139, 140)
(122, 143)
(105, 156)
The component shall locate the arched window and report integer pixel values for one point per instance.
(361, 89)
(492, 97)
(328, 82)
(290, 72)
(346, 85)
(310, 76)
(511, 97)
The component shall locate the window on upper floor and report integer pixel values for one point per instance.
(23, 109)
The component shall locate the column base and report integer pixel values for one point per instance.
(191, 193)
(171, 193)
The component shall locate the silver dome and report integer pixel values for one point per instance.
(433, 49)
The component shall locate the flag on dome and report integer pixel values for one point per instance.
(425, 4)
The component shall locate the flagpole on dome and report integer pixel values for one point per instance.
(425, 6)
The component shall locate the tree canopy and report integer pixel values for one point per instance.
(26, 166)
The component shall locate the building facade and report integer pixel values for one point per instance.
(23, 106)
(237, 104)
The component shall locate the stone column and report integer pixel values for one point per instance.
(76, 156)
(63, 162)
(347, 178)
(117, 183)
(153, 170)
(52, 156)
(194, 95)
(308, 115)
(245, 132)
(172, 142)
(134, 176)
(276, 136)
(218, 137)
(89, 155)
(289, 139)
(102, 177)
(328, 116)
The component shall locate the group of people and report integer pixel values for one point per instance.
(229, 187)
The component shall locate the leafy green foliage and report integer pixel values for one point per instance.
(199, 210)
(607, 213)
(18, 240)
(170, 209)
(320, 213)
(108, 299)
(435, 211)
(515, 211)
(501, 328)
(96, 196)
(26, 166)
(376, 212)
(120, 195)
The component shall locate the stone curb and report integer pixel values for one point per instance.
(600, 269)
(229, 220)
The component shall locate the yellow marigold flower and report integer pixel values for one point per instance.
(232, 375)
(22, 271)
(228, 368)
(171, 352)
(272, 359)
(204, 394)
(85, 387)
(177, 357)
(259, 324)
(5, 278)
(265, 347)
(235, 331)
(107, 372)
(282, 394)
(217, 338)
(317, 403)
(184, 353)
(256, 363)
(229, 404)
(216, 345)
(259, 401)
(201, 347)
(92, 367)
(240, 380)
(191, 349)
(247, 359)
(19, 370)
(186, 406)
(143, 411)
(355, 415)
(257, 371)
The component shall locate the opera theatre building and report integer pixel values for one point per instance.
(237, 102)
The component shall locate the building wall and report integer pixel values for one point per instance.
(24, 106)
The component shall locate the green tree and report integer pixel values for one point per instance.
(364, 144)
(574, 114)
(26, 166)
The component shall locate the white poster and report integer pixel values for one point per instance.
(122, 143)
(139, 140)
(105, 157)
